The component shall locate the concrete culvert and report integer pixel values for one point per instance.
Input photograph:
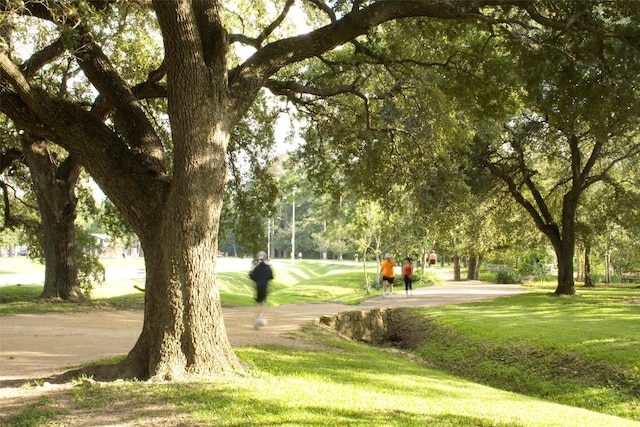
(392, 327)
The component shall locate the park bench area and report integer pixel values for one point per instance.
(493, 268)
(630, 276)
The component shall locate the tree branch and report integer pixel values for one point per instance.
(8, 157)
(249, 77)
(256, 42)
(41, 58)
(108, 159)
(128, 114)
(11, 220)
(278, 87)
(549, 228)
(327, 10)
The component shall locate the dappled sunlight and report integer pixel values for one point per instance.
(330, 381)
(379, 388)
(526, 319)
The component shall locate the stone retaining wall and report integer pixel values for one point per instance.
(369, 326)
(396, 327)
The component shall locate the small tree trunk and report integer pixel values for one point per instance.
(456, 266)
(367, 286)
(607, 266)
(579, 269)
(588, 282)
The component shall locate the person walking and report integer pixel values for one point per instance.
(433, 258)
(386, 268)
(261, 275)
(407, 275)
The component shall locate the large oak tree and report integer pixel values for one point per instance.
(173, 202)
(578, 125)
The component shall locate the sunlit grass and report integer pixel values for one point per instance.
(564, 352)
(19, 264)
(306, 281)
(595, 323)
(580, 350)
(339, 384)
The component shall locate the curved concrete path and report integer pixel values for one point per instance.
(40, 345)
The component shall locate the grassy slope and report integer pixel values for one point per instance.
(339, 384)
(563, 350)
(306, 281)
(580, 351)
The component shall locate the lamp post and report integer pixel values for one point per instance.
(269, 236)
(293, 227)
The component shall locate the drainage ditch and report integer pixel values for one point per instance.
(389, 327)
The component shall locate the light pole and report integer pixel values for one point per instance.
(293, 227)
(269, 236)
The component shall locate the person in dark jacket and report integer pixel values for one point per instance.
(261, 275)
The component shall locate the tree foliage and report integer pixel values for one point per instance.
(171, 193)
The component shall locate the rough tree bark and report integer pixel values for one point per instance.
(55, 191)
(176, 215)
(473, 272)
(588, 281)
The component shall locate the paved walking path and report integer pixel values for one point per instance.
(39, 345)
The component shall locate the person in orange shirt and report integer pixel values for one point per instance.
(386, 268)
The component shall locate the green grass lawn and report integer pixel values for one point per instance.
(580, 351)
(19, 264)
(527, 360)
(339, 383)
(306, 281)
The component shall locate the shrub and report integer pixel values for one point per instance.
(508, 276)
(535, 262)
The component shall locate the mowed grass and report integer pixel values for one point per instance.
(19, 264)
(305, 281)
(337, 383)
(527, 360)
(581, 351)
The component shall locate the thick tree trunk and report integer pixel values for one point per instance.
(55, 192)
(183, 333)
(566, 284)
(61, 269)
(565, 244)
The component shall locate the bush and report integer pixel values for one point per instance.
(91, 272)
(426, 278)
(535, 262)
(508, 276)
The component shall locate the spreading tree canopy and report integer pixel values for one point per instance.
(172, 194)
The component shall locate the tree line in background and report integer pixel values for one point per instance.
(480, 147)
(483, 129)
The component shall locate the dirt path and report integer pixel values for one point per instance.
(38, 346)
